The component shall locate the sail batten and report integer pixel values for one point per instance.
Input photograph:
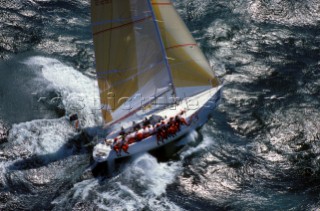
(106, 72)
(120, 20)
(118, 83)
(181, 45)
(123, 25)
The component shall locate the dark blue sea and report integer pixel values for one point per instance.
(259, 151)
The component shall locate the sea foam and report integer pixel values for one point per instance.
(79, 93)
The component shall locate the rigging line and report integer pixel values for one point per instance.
(163, 49)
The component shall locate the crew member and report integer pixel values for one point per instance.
(75, 121)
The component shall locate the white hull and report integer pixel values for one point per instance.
(198, 109)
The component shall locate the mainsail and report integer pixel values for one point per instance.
(131, 66)
(143, 51)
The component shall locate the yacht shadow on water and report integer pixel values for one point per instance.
(82, 144)
(77, 145)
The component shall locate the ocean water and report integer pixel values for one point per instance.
(260, 150)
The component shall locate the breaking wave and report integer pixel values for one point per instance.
(142, 183)
(78, 93)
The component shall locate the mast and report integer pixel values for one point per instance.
(163, 50)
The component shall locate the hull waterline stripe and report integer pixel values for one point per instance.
(124, 25)
(178, 46)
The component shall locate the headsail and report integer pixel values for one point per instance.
(190, 69)
(131, 67)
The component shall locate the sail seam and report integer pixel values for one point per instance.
(117, 20)
(161, 3)
(182, 45)
(101, 74)
(123, 25)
